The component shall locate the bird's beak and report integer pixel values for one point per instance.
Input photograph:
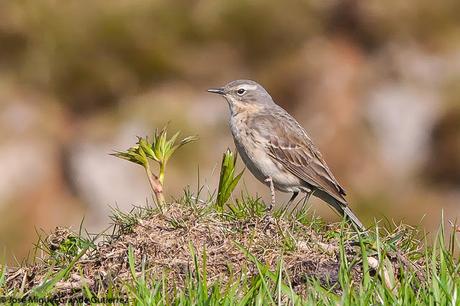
(219, 91)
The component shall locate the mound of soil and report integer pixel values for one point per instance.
(163, 244)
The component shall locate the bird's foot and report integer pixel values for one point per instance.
(272, 191)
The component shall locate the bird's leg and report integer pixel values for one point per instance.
(294, 195)
(304, 200)
(272, 190)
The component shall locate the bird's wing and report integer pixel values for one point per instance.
(289, 144)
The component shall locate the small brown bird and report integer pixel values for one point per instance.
(277, 150)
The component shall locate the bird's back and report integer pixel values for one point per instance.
(289, 144)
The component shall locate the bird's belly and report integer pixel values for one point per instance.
(262, 166)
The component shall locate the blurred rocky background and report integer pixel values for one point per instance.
(377, 84)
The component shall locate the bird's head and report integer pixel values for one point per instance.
(244, 95)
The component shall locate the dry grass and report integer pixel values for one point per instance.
(163, 244)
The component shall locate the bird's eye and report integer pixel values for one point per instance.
(241, 91)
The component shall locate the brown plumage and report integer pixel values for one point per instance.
(277, 150)
(290, 145)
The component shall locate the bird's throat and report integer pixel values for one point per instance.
(238, 107)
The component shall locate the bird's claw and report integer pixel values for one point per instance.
(272, 190)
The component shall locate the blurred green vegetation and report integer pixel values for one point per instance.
(92, 53)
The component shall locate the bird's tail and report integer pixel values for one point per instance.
(351, 216)
(342, 209)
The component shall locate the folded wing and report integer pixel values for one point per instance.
(289, 144)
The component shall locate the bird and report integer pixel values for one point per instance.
(277, 150)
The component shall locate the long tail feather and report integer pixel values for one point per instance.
(351, 216)
(341, 208)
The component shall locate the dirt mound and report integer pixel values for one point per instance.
(163, 245)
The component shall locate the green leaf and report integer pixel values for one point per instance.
(227, 180)
(130, 156)
(147, 148)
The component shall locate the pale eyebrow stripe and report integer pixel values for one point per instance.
(248, 87)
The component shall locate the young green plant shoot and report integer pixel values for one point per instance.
(160, 150)
(227, 180)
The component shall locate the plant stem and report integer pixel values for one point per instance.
(161, 176)
(156, 185)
